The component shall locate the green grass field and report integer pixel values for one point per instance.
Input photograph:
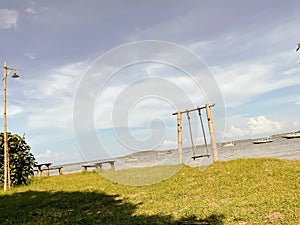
(244, 191)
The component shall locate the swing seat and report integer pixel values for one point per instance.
(199, 156)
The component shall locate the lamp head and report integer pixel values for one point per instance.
(15, 75)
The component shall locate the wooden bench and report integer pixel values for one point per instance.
(99, 165)
(59, 168)
(85, 166)
(110, 162)
(41, 168)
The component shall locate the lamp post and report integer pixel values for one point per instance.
(6, 71)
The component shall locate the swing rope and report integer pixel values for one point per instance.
(191, 134)
(202, 126)
(194, 156)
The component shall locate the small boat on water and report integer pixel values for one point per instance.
(263, 141)
(228, 144)
(292, 135)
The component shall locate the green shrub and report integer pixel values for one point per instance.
(20, 159)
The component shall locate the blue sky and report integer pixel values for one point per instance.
(246, 50)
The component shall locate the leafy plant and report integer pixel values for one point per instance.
(20, 159)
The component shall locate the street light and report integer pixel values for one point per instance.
(6, 154)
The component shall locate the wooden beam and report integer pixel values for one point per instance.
(190, 110)
(179, 130)
(212, 134)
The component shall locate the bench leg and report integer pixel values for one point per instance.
(112, 166)
(60, 171)
(98, 166)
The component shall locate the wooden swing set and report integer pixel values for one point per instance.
(211, 132)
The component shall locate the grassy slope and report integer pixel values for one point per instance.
(243, 191)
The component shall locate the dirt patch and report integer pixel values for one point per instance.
(275, 217)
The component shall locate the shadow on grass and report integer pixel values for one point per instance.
(34, 207)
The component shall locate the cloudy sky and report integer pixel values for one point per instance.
(88, 70)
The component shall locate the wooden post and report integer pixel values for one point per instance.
(60, 170)
(212, 134)
(7, 183)
(179, 129)
(6, 155)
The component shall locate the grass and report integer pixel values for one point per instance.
(141, 176)
(243, 191)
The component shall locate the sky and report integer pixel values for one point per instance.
(101, 79)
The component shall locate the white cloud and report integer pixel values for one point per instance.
(256, 126)
(14, 110)
(50, 98)
(139, 114)
(8, 18)
(144, 110)
(248, 65)
(30, 55)
(59, 116)
(59, 83)
(169, 87)
(239, 83)
(169, 144)
(242, 82)
(235, 132)
(30, 11)
(63, 80)
(291, 72)
(46, 154)
(49, 155)
(262, 125)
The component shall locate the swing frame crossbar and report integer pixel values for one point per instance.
(191, 110)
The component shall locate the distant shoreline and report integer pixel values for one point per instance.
(281, 148)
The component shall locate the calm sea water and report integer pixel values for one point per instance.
(281, 148)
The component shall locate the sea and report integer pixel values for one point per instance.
(280, 148)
